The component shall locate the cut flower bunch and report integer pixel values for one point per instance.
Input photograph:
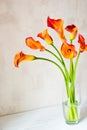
(67, 51)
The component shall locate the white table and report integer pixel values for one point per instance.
(49, 118)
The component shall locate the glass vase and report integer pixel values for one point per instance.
(71, 104)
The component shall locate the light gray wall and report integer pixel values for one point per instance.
(34, 84)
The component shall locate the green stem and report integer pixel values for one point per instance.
(41, 58)
(71, 69)
(66, 71)
(72, 80)
(54, 56)
(58, 52)
(77, 59)
(71, 65)
(73, 77)
(63, 63)
(45, 59)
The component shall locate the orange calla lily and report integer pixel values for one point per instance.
(73, 31)
(81, 40)
(57, 25)
(30, 42)
(68, 50)
(45, 36)
(19, 57)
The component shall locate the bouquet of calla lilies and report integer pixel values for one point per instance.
(67, 51)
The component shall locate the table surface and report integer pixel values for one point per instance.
(48, 118)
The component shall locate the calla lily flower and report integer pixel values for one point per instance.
(73, 31)
(45, 36)
(20, 57)
(57, 25)
(81, 40)
(30, 42)
(68, 50)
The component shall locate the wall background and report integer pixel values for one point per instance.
(35, 84)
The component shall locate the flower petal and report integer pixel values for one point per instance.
(73, 31)
(81, 40)
(19, 57)
(57, 25)
(45, 36)
(68, 50)
(30, 42)
(86, 47)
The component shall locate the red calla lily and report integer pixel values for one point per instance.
(73, 31)
(83, 45)
(57, 25)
